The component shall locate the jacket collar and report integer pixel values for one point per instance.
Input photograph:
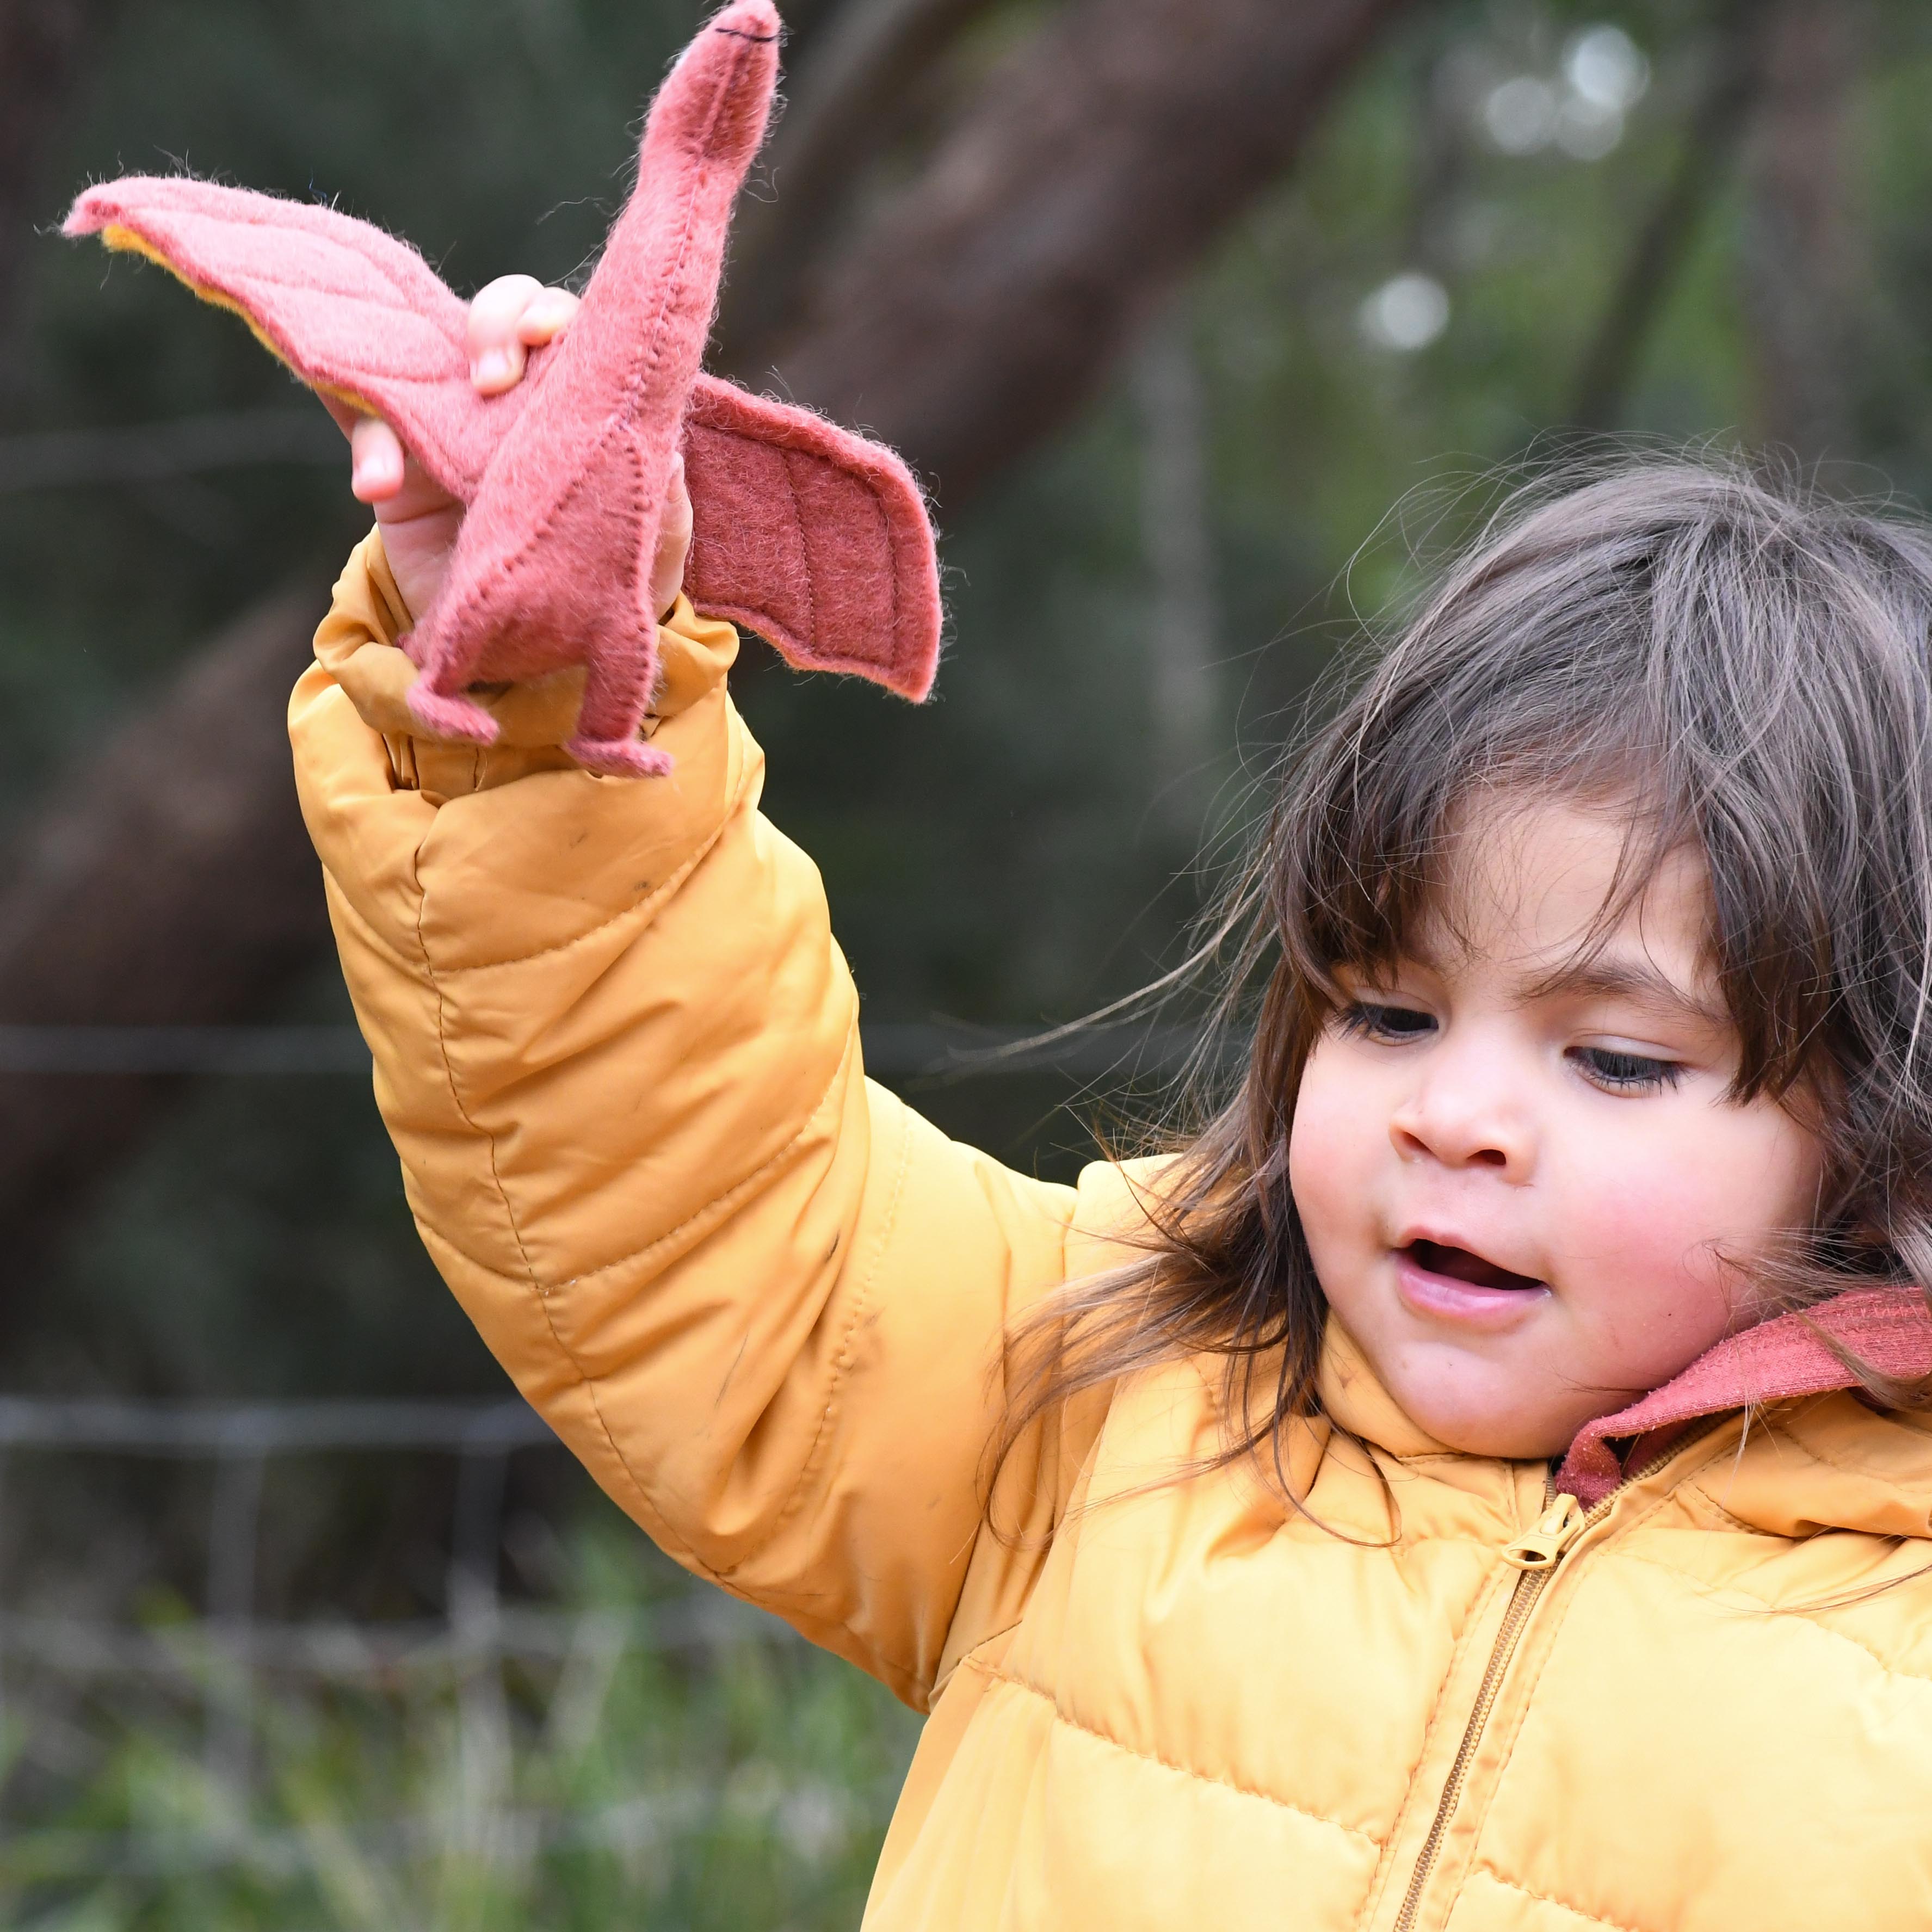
(1859, 1470)
(1888, 1329)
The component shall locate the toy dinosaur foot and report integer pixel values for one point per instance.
(618, 757)
(451, 717)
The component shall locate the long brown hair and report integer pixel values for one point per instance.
(1747, 663)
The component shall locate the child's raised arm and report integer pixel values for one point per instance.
(617, 1049)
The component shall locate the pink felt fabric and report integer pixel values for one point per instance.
(558, 541)
(815, 537)
(1889, 1328)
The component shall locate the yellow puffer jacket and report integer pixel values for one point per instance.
(762, 1300)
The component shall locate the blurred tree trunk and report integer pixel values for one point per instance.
(1805, 278)
(850, 101)
(1177, 541)
(1732, 84)
(993, 297)
(170, 882)
(42, 44)
(173, 884)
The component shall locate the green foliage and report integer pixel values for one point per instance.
(746, 1786)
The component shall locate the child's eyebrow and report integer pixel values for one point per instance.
(1595, 977)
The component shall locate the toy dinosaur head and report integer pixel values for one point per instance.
(814, 537)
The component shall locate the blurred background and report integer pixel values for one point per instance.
(1201, 319)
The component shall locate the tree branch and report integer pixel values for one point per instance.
(158, 452)
(42, 43)
(989, 300)
(1722, 112)
(1807, 279)
(845, 108)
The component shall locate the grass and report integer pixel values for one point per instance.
(741, 1784)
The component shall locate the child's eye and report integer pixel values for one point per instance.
(1370, 1019)
(1626, 1073)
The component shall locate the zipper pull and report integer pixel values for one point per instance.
(1543, 1547)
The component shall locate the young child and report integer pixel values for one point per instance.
(1411, 1504)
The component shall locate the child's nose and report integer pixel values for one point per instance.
(1465, 1116)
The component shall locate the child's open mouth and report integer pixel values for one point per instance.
(1442, 1282)
(1459, 1264)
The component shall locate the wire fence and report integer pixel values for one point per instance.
(460, 1732)
(220, 1660)
(160, 452)
(893, 1050)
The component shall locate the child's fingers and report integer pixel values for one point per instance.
(551, 312)
(376, 460)
(344, 417)
(495, 348)
(673, 540)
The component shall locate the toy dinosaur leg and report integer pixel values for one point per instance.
(616, 686)
(448, 714)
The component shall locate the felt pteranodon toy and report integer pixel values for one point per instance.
(814, 537)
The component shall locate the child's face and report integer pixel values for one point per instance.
(1520, 1183)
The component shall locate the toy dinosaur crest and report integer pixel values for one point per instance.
(815, 537)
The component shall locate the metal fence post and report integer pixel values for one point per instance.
(468, 1648)
(475, 1619)
(234, 1530)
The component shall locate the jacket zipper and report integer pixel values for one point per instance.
(1536, 1555)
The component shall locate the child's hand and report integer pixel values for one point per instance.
(418, 518)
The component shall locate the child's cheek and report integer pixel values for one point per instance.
(1330, 1151)
(1645, 1222)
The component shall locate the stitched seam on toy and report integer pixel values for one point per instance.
(647, 903)
(891, 551)
(356, 247)
(1060, 1716)
(621, 417)
(810, 639)
(1496, 1878)
(261, 278)
(655, 333)
(841, 1359)
(875, 495)
(603, 694)
(489, 1141)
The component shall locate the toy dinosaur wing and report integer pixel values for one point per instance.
(354, 312)
(815, 538)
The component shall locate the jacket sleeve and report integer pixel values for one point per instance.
(617, 1051)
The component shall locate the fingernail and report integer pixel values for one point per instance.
(492, 366)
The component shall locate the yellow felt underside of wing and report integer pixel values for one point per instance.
(123, 240)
